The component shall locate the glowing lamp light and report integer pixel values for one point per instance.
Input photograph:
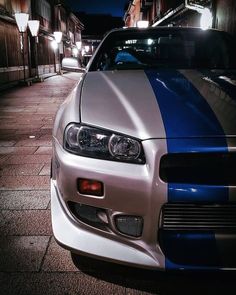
(57, 36)
(86, 48)
(206, 19)
(75, 51)
(142, 24)
(22, 21)
(34, 27)
(54, 44)
(90, 187)
(78, 44)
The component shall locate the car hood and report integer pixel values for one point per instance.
(161, 103)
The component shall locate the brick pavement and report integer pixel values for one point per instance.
(30, 260)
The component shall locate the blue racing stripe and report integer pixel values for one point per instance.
(189, 122)
(193, 193)
(190, 250)
(185, 113)
(190, 126)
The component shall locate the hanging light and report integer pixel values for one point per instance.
(150, 41)
(22, 21)
(78, 44)
(206, 19)
(87, 48)
(142, 24)
(54, 44)
(75, 51)
(57, 36)
(34, 30)
(34, 27)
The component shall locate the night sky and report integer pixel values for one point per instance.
(113, 7)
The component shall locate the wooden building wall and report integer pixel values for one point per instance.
(11, 58)
(225, 11)
(51, 19)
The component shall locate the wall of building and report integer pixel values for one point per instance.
(134, 14)
(11, 57)
(52, 18)
(225, 11)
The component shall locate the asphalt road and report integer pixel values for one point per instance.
(30, 260)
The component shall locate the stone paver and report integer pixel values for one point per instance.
(25, 222)
(42, 150)
(17, 150)
(29, 159)
(24, 169)
(3, 158)
(7, 143)
(34, 142)
(22, 253)
(58, 259)
(54, 283)
(24, 182)
(24, 200)
(46, 170)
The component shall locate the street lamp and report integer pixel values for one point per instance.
(34, 29)
(78, 45)
(58, 36)
(206, 19)
(75, 51)
(22, 21)
(54, 45)
(142, 24)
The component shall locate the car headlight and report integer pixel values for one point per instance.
(102, 144)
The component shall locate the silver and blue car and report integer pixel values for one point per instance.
(144, 152)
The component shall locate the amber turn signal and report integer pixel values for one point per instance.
(90, 187)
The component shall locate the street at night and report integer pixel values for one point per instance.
(117, 147)
(31, 262)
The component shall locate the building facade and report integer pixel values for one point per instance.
(37, 57)
(182, 13)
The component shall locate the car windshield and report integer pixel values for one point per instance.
(169, 48)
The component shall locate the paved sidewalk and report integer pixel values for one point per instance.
(31, 263)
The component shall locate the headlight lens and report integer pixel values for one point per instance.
(124, 147)
(97, 143)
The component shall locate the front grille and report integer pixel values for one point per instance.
(202, 217)
(199, 168)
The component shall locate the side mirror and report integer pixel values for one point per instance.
(71, 64)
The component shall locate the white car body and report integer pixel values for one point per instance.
(148, 214)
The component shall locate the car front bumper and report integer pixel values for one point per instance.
(129, 189)
(70, 235)
(137, 190)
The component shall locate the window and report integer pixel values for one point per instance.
(170, 48)
(43, 9)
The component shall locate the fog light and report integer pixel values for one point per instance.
(93, 216)
(90, 187)
(129, 225)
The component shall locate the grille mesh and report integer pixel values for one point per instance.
(191, 216)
